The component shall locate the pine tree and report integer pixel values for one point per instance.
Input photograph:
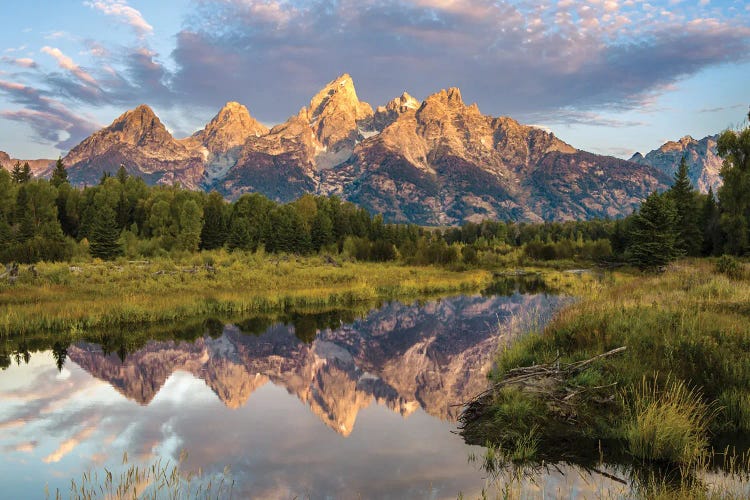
(690, 237)
(214, 231)
(122, 174)
(653, 233)
(21, 174)
(59, 174)
(734, 198)
(239, 234)
(709, 221)
(104, 236)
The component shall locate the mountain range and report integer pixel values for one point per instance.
(433, 162)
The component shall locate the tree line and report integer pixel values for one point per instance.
(123, 216)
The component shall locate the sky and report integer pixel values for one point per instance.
(608, 76)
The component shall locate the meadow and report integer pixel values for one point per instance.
(67, 298)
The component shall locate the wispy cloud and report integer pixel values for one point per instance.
(49, 118)
(721, 108)
(67, 63)
(23, 62)
(125, 13)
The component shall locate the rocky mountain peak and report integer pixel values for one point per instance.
(138, 126)
(447, 97)
(338, 95)
(403, 103)
(229, 129)
(703, 160)
(336, 116)
(385, 115)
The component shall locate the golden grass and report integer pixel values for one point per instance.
(66, 298)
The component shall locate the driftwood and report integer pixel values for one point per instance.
(331, 261)
(550, 382)
(11, 272)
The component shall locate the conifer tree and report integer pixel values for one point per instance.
(734, 198)
(214, 231)
(104, 236)
(653, 233)
(709, 221)
(21, 174)
(122, 174)
(690, 237)
(59, 174)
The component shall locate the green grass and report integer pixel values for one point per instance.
(668, 424)
(66, 298)
(681, 387)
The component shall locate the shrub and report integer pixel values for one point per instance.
(729, 266)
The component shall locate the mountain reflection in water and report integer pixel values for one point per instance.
(401, 356)
(416, 361)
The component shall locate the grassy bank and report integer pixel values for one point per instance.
(69, 298)
(681, 386)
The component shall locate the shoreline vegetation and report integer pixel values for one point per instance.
(70, 299)
(673, 405)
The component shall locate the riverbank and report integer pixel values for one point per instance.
(61, 297)
(681, 386)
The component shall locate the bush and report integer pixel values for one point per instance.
(729, 266)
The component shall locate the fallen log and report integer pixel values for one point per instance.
(550, 381)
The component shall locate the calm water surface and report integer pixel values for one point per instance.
(366, 408)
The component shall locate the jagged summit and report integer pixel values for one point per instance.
(704, 162)
(138, 140)
(336, 114)
(230, 128)
(437, 161)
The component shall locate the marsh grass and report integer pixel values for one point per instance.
(681, 388)
(69, 299)
(666, 424)
(161, 479)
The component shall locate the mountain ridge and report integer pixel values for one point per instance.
(702, 157)
(433, 162)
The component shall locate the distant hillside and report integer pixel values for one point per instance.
(39, 168)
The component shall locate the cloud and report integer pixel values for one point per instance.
(126, 14)
(69, 445)
(575, 117)
(513, 58)
(721, 108)
(67, 63)
(49, 118)
(23, 62)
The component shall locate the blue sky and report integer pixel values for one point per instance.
(608, 76)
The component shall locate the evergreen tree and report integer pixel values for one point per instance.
(122, 211)
(122, 174)
(709, 220)
(321, 231)
(59, 174)
(690, 237)
(734, 194)
(653, 233)
(21, 174)
(104, 236)
(239, 234)
(190, 221)
(214, 231)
